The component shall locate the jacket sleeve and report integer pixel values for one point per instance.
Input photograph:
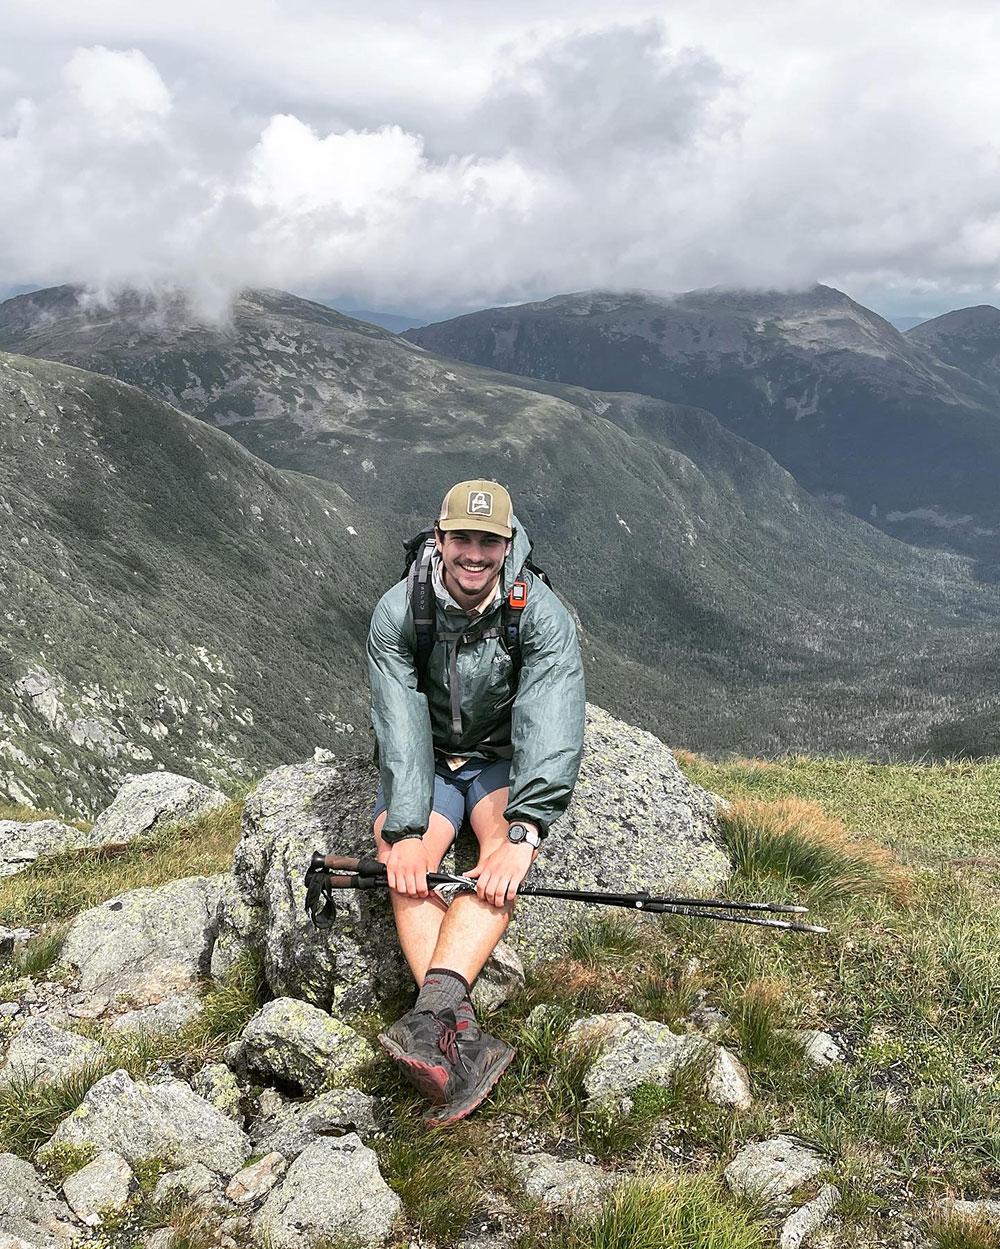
(548, 716)
(401, 720)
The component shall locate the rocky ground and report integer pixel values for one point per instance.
(196, 1065)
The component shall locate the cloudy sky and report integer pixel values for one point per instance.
(452, 155)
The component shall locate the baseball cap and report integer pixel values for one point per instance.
(481, 505)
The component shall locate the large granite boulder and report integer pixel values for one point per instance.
(166, 1120)
(150, 801)
(635, 822)
(146, 944)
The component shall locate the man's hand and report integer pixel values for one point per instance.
(407, 866)
(497, 877)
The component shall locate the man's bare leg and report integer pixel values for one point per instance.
(472, 927)
(418, 920)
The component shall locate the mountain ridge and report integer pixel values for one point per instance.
(722, 607)
(861, 414)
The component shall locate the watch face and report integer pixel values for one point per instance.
(516, 832)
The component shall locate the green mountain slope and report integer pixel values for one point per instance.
(723, 607)
(168, 600)
(857, 412)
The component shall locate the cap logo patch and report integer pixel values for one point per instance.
(480, 503)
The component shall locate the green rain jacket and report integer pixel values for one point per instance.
(539, 725)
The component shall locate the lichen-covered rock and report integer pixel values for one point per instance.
(295, 1125)
(22, 844)
(500, 980)
(146, 944)
(42, 1052)
(629, 1051)
(562, 1184)
(770, 1171)
(635, 822)
(803, 1222)
(165, 1120)
(29, 1209)
(292, 1040)
(102, 1186)
(333, 1191)
(217, 1084)
(256, 1180)
(165, 1018)
(151, 800)
(187, 1183)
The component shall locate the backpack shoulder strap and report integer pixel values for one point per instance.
(514, 603)
(420, 593)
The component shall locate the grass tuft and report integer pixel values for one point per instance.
(31, 1110)
(642, 1214)
(37, 956)
(954, 1231)
(796, 842)
(759, 1016)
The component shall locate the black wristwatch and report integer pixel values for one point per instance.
(518, 833)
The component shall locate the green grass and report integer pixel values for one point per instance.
(957, 1232)
(62, 885)
(644, 1214)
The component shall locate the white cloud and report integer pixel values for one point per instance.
(484, 156)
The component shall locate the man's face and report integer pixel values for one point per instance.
(472, 562)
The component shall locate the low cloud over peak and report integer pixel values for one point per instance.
(559, 159)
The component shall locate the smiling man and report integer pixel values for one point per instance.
(478, 706)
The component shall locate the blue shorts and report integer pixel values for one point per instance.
(457, 792)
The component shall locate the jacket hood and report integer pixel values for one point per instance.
(520, 549)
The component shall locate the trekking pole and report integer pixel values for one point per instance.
(331, 871)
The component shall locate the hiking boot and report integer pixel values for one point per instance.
(476, 1060)
(414, 1043)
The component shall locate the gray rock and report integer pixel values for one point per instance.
(22, 844)
(985, 1211)
(41, 1052)
(151, 801)
(819, 1048)
(166, 1018)
(562, 1185)
(9, 1009)
(166, 1120)
(162, 1238)
(292, 1040)
(629, 1051)
(333, 1191)
(17, 1242)
(146, 944)
(808, 1218)
(296, 1125)
(256, 1180)
(217, 1084)
(104, 1185)
(770, 1171)
(187, 1183)
(635, 822)
(29, 1209)
(500, 980)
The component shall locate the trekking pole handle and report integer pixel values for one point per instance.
(341, 863)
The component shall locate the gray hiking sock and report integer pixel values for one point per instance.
(442, 990)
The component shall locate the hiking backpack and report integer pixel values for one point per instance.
(420, 593)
